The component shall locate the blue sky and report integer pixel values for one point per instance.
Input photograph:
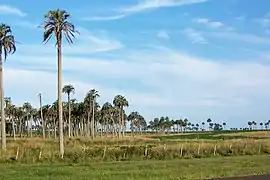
(181, 58)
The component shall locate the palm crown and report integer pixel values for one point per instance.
(56, 22)
(7, 41)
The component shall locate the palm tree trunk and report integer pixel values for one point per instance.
(60, 107)
(69, 116)
(41, 116)
(31, 125)
(93, 120)
(13, 129)
(3, 120)
(88, 119)
(27, 125)
(122, 121)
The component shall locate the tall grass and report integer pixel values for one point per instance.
(82, 150)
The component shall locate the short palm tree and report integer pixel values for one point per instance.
(7, 46)
(56, 23)
(68, 89)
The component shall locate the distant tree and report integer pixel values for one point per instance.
(224, 125)
(266, 125)
(209, 122)
(255, 124)
(69, 89)
(203, 124)
(250, 124)
(261, 124)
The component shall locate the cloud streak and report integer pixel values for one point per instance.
(144, 5)
(6, 9)
(194, 36)
(213, 24)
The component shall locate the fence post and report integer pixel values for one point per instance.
(181, 150)
(199, 147)
(17, 153)
(215, 149)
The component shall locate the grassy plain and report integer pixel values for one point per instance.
(178, 156)
(141, 170)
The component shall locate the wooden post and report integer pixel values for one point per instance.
(17, 153)
(181, 150)
(199, 147)
(145, 151)
(215, 149)
(104, 152)
(40, 154)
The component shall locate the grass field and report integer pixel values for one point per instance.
(141, 170)
(180, 156)
(141, 147)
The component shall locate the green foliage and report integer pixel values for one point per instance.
(214, 135)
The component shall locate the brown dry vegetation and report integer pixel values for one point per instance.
(139, 148)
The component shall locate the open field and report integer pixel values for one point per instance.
(140, 147)
(155, 170)
(147, 156)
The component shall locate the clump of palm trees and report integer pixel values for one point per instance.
(253, 125)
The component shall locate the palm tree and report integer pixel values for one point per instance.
(7, 46)
(27, 107)
(224, 125)
(90, 104)
(121, 102)
(68, 89)
(261, 124)
(250, 124)
(209, 120)
(56, 23)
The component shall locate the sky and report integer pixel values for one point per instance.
(194, 59)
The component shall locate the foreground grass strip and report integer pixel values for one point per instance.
(146, 170)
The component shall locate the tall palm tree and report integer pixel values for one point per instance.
(57, 24)
(7, 46)
(68, 89)
(121, 102)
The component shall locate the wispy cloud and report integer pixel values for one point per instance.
(155, 4)
(26, 24)
(213, 24)
(194, 36)
(104, 18)
(250, 38)
(163, 35)
(144, 5)
(240, 18)
(264, 21)
(207, 22)
(6, 9)
(86, 43)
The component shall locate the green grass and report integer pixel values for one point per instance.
(216, 135)
(146, 170)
